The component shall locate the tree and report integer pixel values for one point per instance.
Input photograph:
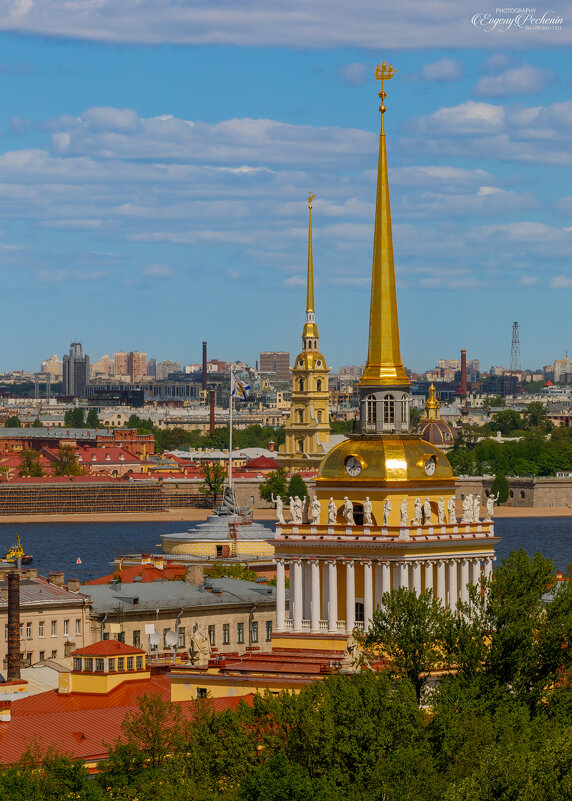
(274, 485)
(92, 420)
(74, 418)
(500, 488)
(415, 416)
(30, 464)
(156, 729)
(233, 571)
(297, 487)
(66, 463)
(507, 422)
(536, 416)
(13, 422)
(37, 423)
(409, 630)
(214, 477)
(494, 400)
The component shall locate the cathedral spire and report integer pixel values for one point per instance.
(383, 367)
(310, 331)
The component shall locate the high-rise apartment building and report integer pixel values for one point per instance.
(120, 367)
(276, 362)
(562, 366)
(53, 367)
(136, 365)
(75, 371)
(164, 369)
(103, 367)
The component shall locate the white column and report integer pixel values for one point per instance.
(404, 575)
(385, 577)
(475, 571)
(453, 584)
(396, 575)
(416, 571)
(378, 574)
(325, 591)
(488, 567)
(428, 574)
(367, 595)
(280, 595)
(307, 591)
(441, 591)
(465, 581)
(350, 596)
(296, 575)
(315, 599)
(332, 596)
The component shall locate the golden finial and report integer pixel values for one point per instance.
(384, 72)
(310, 199)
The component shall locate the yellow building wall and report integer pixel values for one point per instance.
(208, 548)
(97, 683)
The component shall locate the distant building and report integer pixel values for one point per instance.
(136, 365)
(53, 367)
(76, 371)
(103, 367)
(276, 362)
(165, 369)
(120, 363)
(562, 366)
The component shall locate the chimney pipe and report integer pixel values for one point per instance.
(212, 407)
(204, 365)
(13, 673)
(463, 372)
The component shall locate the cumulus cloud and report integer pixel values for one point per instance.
(561, 282)
(525, 80)
(445, 70)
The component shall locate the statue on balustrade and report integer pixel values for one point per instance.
(417, 513)
(386, 511)
(404, 513)
(332, 512)
(352, 656)
(477, 509)
(427, 512)
(200, 647)
(279, 508)
(292, 510)
(441, 511)
(491, 500)
(348, 511)
(367, 509)
(467, 509)
(315, 510)
(451, 511)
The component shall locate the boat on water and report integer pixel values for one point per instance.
(16, 554)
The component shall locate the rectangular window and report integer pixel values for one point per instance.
(268, 630)
(6, 631)
(54, 628)
(240, 632)
(78, 626)
(181, 636)
(41, 628)
(77, 663)
(254, 631)
(129, 663)
(21, 631)
(54, 654)
(139, 662)
(99, 664)
(66, 628)
(137, 638)
(121, 636)
(105, 635)
(201, 692)
(28, 631)
(88, 663)
(225, 633)
(212, 635)
(111, 665)
(42, 656)
(121, 663)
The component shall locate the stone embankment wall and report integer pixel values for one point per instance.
(525, 492)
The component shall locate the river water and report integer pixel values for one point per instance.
(57, 546)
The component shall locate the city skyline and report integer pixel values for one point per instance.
(168, 207)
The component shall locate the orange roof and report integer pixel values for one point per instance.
(146, 572)
(107, 648)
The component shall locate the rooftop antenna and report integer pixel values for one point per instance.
(515, 349)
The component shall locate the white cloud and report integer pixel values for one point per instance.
(355, 74)
(561, 282)
(157, 271)
(524, 80)
(445, 70)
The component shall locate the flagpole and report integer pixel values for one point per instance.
(230, 435)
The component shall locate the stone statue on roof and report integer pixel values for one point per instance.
(351, 657)
(279, 508)
(200, 650)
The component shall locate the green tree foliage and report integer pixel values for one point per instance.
(75, 418)
(297, 487)
(534, 454)
(156, 729)
(37, 423)
(415, 416)
(233, 571)
(508, 422)
(30, 464)
(214, 476)
(13, 422)
(494, 401)
(536, 416)
(341, 426)
(66, 463)
(92, 419)
(274, 484)
(500, 488)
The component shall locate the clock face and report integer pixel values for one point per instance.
(430, 465)
(353, 466)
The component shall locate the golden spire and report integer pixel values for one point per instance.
(383, 367)
(310, 327)
(432, 405)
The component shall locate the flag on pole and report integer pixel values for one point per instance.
(238, 387)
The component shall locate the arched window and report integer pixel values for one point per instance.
(389, 409)
(310, 344)
(319, 416)
(404, 410)
(301, 385)
(319, 385)
(301, 446)
(300, 416)
(371, 409)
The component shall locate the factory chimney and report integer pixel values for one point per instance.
(463, 387)
(13, 672)
(204, 366)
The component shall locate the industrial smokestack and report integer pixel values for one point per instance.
(204, 365)
(13, 673)
(463, 386)
(212, 406)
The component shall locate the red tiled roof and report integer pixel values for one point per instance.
(261, 463)
(107, 648)
(146, 572)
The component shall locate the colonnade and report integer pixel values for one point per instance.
(314, 597)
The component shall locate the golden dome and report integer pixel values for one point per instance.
(385, 459)
(308, 360)
(437, 432)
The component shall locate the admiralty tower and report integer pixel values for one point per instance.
(383, 515)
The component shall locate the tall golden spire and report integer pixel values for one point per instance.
(383, 367)
(310, 328)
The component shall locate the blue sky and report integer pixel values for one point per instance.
(156, 156)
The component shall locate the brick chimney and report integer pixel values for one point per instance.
(204, 366)
(13, 672)
(57, 577)
(463, 387)
(5, 711)
(271, 446)
(73, 585)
